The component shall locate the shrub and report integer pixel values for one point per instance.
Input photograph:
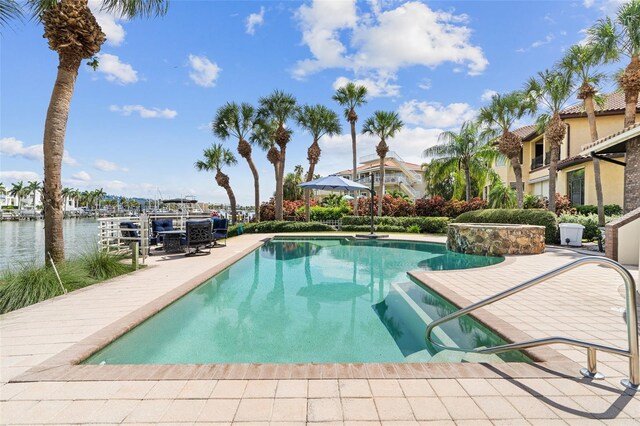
(609, 210)
(376, 228)
(502, 196)
(534, 202)
(101, 265)
(589, 221)
(319, 213)
(439, 207)
(612, 210)
(391, 206)
(414, 229)
(279, 226)
(563, 205)
(433, 225)
(289, 209)
(517, 216)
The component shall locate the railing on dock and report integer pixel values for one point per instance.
(114, 237)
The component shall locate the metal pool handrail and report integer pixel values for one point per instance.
(632, 323)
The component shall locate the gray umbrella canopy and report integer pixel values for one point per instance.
(334, 183)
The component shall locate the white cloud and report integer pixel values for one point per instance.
(108, 166)
(434, 114)
(13, 147)
(411, 34)
(144, 112)
(16, 175)
(109, 23)
(82, 176)
(425, 84)
(203, 72)
(487, 95)
(547, 39)
(377, 86)
(116, 71)
(255, 20)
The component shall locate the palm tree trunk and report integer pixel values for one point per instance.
(630, 86)
(517, 171)
(53, 147)
(381, 192)
(553, 175)
(307, 192)
(232, 202)
(593, 131)
(354, 174)
(256, 187)
(280, 185)
(467, 179)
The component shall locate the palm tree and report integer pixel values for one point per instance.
(278, 108)
(3, 189)
(18, 190)
(350, 97)
(501, 196)
(71, 30)
(622, 38)
(32, 188)
(97, 197)
(215, 158)
(239, 121)
(466, 150)
(382, 124)
(581, 62)
(499, 116)
(319, 121)
(551, 89)
(291, 191)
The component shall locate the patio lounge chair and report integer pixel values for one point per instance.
(198, 235)
(159, 225)
(220, 230)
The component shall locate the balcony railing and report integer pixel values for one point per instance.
(540, 161)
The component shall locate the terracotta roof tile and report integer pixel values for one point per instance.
(613, 102)
(606, 138)
(525, 131)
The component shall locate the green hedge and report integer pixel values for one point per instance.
(517, 216)
(590, 222)
(431, 225)
(319, 213)
(376, 228)
(609, 209)
(280, 226)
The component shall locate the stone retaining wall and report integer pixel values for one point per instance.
(495, 239)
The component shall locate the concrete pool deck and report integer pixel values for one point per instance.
(39, 384)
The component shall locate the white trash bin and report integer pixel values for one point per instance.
(571, 234)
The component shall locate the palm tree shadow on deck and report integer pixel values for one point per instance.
(624, 396)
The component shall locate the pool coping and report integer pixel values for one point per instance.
(65, 366)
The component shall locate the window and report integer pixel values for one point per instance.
(538, 155)
(575, 187)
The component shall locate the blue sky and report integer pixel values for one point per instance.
(138, 124)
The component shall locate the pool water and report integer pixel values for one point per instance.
(311, 300)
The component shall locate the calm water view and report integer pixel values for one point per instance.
(24, 241)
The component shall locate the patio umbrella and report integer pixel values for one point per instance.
(339, 183)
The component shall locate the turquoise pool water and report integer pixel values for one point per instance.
(310, 300)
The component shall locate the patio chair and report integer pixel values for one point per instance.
(198, 235)
(159, 225)
(130, 234)
(220, 230)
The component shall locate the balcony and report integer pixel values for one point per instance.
(540, 161)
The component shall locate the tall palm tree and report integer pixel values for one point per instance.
(32, 188)
(279, 107)
(97, 196)
(67, 194)
(239, 121)
(622, 38)
(291, 191)
(216, 157)
(552, 90)
(319, 121)
(383, 124)
(499, 116)
(3, 189)
(352, 96)
(18, 190)
(466, 150)
(71, 30)
(581, 62)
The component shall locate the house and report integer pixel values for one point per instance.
(398, 175)
(575, 169)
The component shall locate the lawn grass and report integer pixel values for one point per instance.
(32, 283)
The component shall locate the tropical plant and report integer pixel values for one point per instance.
(318, 120)
(384, 125)
(18, 190)
(71, 30)
(216, 157)
(498, 117)
(67, 194)
(581, 62)
(352, 96)
(502, 197)
(240, 121)
(551, 89)
(3, 189)
(291, 191)
(622, 38)
(275, 110)
(97, 197)
(398, 194)
(33, 187)
(466, 150)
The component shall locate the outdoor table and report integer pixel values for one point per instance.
(171, 241)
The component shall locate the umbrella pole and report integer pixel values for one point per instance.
(371, 207)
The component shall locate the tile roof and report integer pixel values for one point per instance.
(578, 159)
(525, 131)
(613, 102)
(611, 136)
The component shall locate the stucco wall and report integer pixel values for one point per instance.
(579, 131)
(629, 243)
(612, 177)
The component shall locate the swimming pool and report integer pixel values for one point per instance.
(310, 300)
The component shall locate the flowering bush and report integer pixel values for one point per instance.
(289, 209)
(438, 206)
(391, 206)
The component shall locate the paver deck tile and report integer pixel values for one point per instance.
(416, 387)
(324, 410)
(354, 388)
(219, 410)
(393, 409)
(462, 408)
(428, 408)
(359, 409)
(323, 389)
(260, 389)
(292, 389)
(385, 387)
(289, 409)
(183, 410)
(258, 409)
(497, 407)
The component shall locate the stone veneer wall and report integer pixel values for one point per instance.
(495, 239)
(632, 175)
